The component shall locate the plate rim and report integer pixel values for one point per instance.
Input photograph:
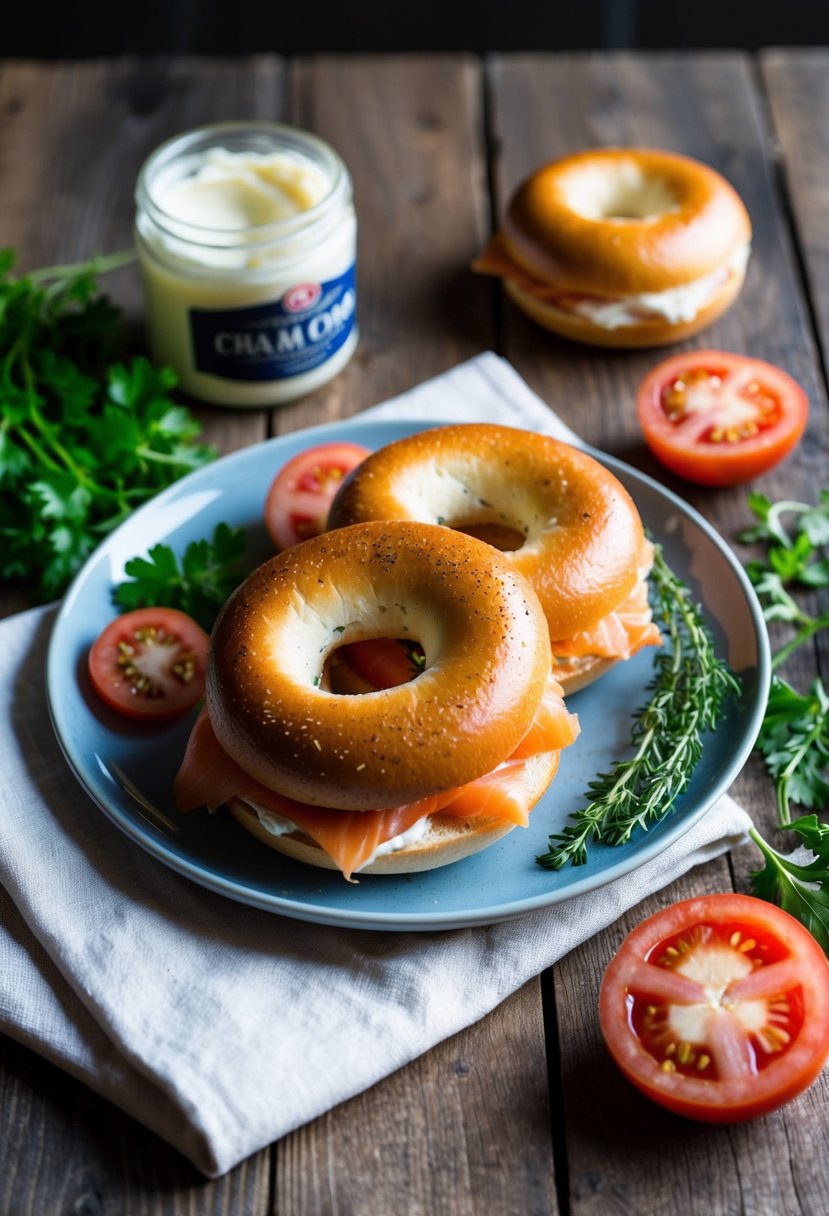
(647, 848)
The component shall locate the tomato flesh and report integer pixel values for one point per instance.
(720, 419)
(298, 499)
(718, 1008)
(384, 662)
(150, 664)
(677, 1036)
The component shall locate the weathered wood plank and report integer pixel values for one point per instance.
(460, 1131)
(429, 1139)
(410, 132)
(72, 140)
(65, 1150)
(798, 95)
(623, 1154)
(797, 84)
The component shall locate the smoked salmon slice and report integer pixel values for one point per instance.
(209, 777)
(496, 260)
(619, 635)
(553, 727)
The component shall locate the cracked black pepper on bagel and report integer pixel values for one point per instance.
(571, 528)
(398, 778)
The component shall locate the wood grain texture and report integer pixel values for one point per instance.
(411, 134)
(797, 87)
(465, 1125)
(72, 139)
(471, 1127)
(410, 131)
(66, 1152)
(625, 1155)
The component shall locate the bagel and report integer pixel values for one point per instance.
(576, 533)
(625, 247)
(474, 737)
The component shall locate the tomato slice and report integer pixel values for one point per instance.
(299, 496)
(150, 664)
(718, 1008)
(384, 662)
(719, 419)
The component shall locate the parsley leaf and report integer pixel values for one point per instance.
(84, 440)
(199, 584)
(794, 736)
(794, 741)
(801, 889)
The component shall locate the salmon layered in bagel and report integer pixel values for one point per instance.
(562, 519)
(392, 779)
(627, 247)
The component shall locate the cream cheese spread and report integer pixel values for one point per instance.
(674, 305)
(278, 825)
(234, 191)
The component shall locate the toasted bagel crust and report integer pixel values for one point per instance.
(556, 229)
(584, 542)
(487, 663)
(447, 839)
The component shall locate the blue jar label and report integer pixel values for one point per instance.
(282, 338)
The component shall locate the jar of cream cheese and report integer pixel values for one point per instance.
(247, 240)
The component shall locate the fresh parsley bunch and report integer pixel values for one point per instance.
(83, 440)
(798, 560)
(794, 738)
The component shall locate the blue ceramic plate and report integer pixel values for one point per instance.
(128, 769)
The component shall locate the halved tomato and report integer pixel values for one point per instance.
(718, 1008)
(299, 497)
(719, 419)
(150, 663)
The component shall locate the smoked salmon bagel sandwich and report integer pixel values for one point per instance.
(625, 247)
(402, 774)
(562, 520)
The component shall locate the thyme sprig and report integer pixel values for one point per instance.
(690, 688)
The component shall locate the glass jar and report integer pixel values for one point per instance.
(247, 240)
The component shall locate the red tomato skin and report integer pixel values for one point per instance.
(296, 499)
(725, 464)
(110, 685)
(713, 1102)
(382, 662)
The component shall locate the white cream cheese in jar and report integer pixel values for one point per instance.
(247, 241)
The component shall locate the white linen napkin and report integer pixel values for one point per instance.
(157, 993)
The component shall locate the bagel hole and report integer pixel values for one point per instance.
(360, 667)
(500, 536)
(620, 193)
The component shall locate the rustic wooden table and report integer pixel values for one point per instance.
(524, 1112)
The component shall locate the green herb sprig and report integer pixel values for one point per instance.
(83, 440)
(198, 584)
(795, 559)
(794, 737)
(690, 688)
